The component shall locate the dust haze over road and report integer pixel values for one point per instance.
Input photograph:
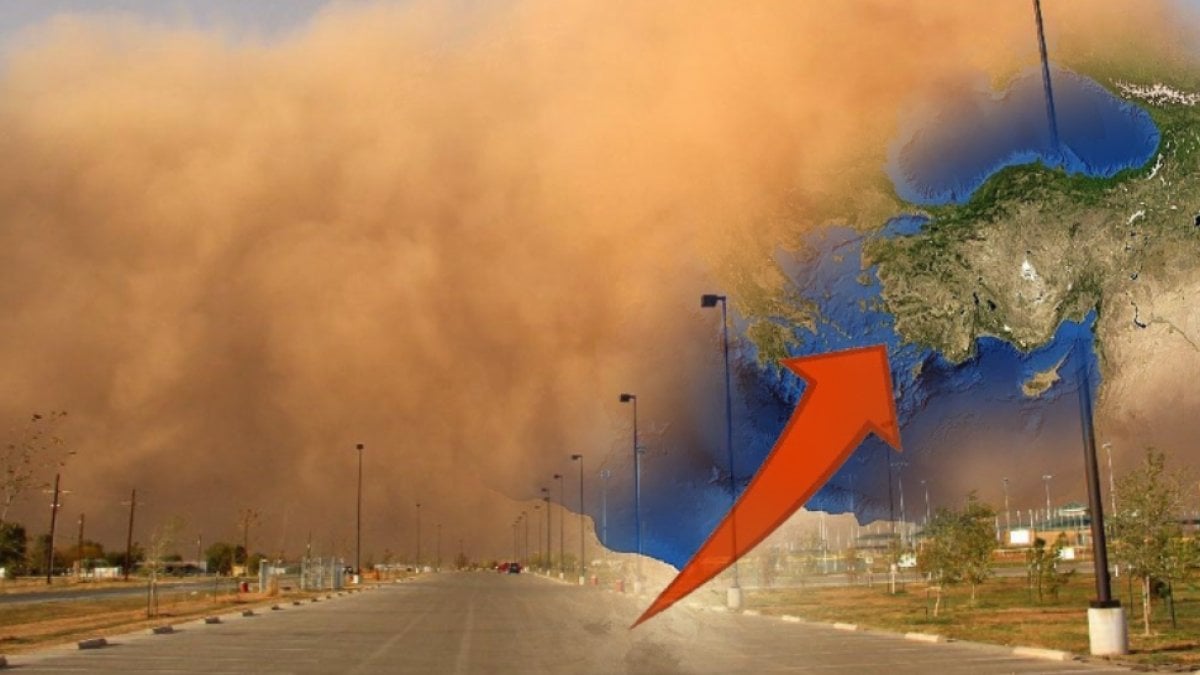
(451, 233)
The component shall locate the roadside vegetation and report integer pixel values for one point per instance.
(966, 586)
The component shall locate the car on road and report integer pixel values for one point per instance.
(514, 568)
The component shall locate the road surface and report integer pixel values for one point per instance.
(483, 622)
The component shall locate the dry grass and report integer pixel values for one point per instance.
(1005, 613)
(24, 627)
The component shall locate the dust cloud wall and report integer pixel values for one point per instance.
(451, 231)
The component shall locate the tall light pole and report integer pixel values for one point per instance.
(562, 525)
(358, 517)
(418, 537)
(582, 552)
(1007, 515)
(1046, 480)
(1112, 486)
(925, 485)
(900, 487)
(437, 547)
(538, 539)
(546, 499)
(79, 548)
(733, 596)
(637, 496)
(605, 474)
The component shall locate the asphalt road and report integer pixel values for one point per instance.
(490, 623)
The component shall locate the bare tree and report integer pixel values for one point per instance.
(162, 539)
(32, 448)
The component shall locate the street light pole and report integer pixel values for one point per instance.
(419, 537)
(79, 548)
(1007, 516)
(582, 552)
(733, 596)
(925, 485)
(1046, 480)
(437, 547)
(562, 525)
(1112, 486)
(637, 496)
(358, 517)
(1107, 631)
(604, 476)
(546, 499)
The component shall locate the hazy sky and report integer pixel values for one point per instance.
(451, 232)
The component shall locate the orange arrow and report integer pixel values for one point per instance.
(849, 395)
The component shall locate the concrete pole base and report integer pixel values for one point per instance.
(560, 575)
(733, 598)
(582, 581)
(637, 588)
(1107, 632)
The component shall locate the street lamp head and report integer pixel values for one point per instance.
(545, 490)
(626, 398)
(711, 300)
(558, 476)
(575, 457)
(360, 446)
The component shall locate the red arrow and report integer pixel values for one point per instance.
(849, 395)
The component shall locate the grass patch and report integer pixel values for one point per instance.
(1005, 613)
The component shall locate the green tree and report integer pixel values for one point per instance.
(1147, 536)
(958, 547)
(220, 557)
(13, 546)
(1042, 565)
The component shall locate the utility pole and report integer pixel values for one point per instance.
(437, 547)
(53, 521)
(129, 534)
(247, 517)
(418, 537)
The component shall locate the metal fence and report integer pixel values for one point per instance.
(322, 574)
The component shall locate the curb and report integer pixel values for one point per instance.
(925, 637)
(751, 612)
(93, 643)
(1040, 653)
(846, 626)
(790, 618)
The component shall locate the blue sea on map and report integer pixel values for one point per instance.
(957, 419)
